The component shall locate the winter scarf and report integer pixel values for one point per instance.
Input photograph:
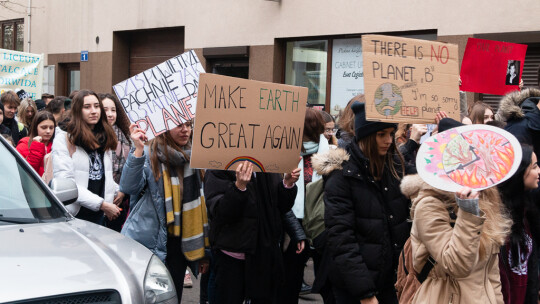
(311, 148)
(184, 203)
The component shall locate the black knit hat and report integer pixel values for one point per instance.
(362, 127)
(448, 123)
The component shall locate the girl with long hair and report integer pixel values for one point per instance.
(460, 234)
(84, 154)
(117, 118)
(26, 112)
(168, 214)
(39, 142)
(365, 212)
(518, 258)
(480, 113)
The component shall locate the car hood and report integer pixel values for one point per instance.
(38, 260)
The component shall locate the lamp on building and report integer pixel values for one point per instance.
(97, 39)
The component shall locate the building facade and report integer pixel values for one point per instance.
(311, 43)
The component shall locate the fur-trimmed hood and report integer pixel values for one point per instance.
(510, 106)
(415, 188)
(329, 161)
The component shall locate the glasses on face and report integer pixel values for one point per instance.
(333, 131)
(186, 125)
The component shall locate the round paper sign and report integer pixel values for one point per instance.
(476, 156)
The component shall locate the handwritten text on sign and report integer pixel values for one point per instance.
(20, 70)
(164, 96)
(245, 120)
(409, 80)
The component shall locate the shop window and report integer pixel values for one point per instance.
(306, 66)
(12, 34)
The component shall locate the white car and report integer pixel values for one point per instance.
(48, 256)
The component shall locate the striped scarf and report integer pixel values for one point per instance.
(186, 210)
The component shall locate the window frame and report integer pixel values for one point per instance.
(14, 23)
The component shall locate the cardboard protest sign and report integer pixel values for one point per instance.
(492, 67)
(164, 96)
(476, 156)
(409, 80)
(246, 120)
(20, 70)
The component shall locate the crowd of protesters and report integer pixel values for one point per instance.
(351, 205)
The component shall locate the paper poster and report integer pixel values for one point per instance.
(164, 96)
(492, 67)
(409, 80)
(347, 73)
(20, 70)
(246, 120)
(476, 156)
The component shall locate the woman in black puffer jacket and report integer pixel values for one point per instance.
(365, 213)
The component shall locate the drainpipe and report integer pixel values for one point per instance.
(29, 22)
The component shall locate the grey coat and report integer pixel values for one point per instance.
(146, 222)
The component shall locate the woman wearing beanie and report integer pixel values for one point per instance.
(365, 212)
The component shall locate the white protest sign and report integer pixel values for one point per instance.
(164, 96)
(20, 70)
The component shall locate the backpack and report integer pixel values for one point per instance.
(48, 163)
(313, 221)
(408, 281)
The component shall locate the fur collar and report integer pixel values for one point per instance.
(329, 161)
(510, 104)
(414, 188)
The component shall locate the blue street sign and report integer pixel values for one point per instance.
(84, 55)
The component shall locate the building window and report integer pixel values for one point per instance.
(12, 34)
(305, 66)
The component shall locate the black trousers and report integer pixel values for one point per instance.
(230, 285)
(294, 265)
(176, 264)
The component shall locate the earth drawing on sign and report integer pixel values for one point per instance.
(468, 156)
(388, 99)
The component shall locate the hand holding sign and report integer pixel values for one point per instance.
(164, 96)
(242, 120)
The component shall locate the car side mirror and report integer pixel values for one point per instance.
(65, 190)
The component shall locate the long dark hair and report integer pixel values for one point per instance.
(516, 200)
(122, 120)
(80, 133)
(377, 162)
(39, 118)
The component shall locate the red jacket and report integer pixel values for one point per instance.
(35, 154)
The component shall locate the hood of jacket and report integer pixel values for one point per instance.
(331, 160)
(513, 105)
(414, 188)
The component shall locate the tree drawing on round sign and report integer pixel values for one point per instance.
(476, 156)
(388, 99)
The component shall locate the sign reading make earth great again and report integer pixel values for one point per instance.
(246, 120)
(409, 80)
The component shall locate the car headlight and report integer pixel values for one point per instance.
(158, 284)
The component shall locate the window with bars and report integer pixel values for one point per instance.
(12, 34)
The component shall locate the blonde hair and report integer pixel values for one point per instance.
(21, 112)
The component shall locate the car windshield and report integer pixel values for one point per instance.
(22, 200)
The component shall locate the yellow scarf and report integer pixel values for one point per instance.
(186, 219)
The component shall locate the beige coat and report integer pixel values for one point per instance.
(461, 275)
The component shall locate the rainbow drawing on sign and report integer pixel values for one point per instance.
(250, 159)
(476, 157)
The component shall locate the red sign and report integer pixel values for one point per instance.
(492, 67)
